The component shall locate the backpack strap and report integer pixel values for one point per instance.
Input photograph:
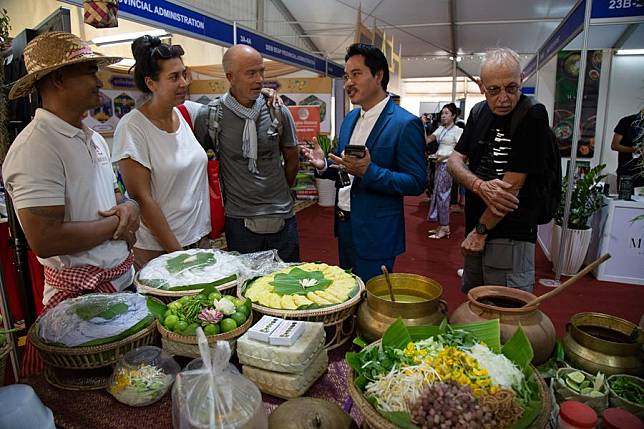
(215, 115)
(184, 112)
(520, 111)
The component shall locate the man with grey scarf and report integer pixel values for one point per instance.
(255, 185)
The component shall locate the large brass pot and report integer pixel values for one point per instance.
(601, 342)
(378, 311)
(510, 311)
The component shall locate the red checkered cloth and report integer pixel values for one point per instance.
(73, 282)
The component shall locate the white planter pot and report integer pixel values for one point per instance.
(575, 251)
(326, 192)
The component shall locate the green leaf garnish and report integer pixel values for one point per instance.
(103, 307)
(188, 262)
(300, 282)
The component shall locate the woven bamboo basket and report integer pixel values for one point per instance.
(166, 296)
(93, 356)
(4, 354)
(373, 420)
(186, 345)
(339, 320)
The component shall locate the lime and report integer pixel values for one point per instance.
(184, 299)
(238, 302)
(211, 329)
(239, 317)
(180, 326)
(175, 305)
(243, 309)
(577, 377)
(228, 325)
(171, 321)
(191, 329)
(214, 296)
(229, 298)
(201, 297)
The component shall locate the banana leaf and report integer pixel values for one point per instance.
(219, 282)
(293, 282)
(104, 308)
(185, 261)
(156, 307)
(144, 323)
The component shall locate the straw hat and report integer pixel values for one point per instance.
(51, 51)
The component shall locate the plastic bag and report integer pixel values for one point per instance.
(214, 396)
(199, 267)
(89, 318)
(259, 264)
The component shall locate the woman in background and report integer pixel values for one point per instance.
(447, 136)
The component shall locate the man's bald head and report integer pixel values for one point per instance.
(236, 54)
(244, 68)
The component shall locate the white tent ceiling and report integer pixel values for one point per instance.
(424, 28)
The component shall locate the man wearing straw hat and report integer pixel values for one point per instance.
(59, 175)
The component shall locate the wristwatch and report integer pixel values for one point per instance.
(481, 229)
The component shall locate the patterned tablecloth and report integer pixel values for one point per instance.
(99, 410)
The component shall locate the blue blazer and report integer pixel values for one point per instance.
(397, 148)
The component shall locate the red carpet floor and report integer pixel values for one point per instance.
(439, 259)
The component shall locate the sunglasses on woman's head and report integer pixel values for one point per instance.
(166, 51)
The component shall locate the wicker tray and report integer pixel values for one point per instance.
(186, 345)
(78, 379)
(166, 296)
(94, 356)
(373, 420)
(339, 320)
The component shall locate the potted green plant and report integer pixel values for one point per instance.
(585, 201)
(326, 188)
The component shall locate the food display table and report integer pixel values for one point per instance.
(98, 409)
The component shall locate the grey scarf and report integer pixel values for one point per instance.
(249, 137)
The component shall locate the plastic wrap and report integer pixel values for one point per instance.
(259, 264)
(215, 397)
(200, 267)
(82, 320)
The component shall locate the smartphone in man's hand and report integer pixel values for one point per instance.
(355, 150)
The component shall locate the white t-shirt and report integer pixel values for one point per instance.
(53, 163)
(178, 177)
(447, 139)
(359, 136)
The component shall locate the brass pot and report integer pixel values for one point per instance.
(378, 311)
(601, 342)
(510, 311)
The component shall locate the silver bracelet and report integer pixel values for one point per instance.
(130, 200)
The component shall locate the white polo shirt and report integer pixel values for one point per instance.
(53, 163)
(359, 136)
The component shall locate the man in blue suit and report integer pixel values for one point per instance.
(369, 220)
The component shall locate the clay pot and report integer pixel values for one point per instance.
(506, 304)
(601, 342)
(377, 312)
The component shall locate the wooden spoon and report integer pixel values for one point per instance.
(391, 289)
(570, 281)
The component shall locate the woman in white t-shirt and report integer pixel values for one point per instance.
(161, 162)
(447, 136)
